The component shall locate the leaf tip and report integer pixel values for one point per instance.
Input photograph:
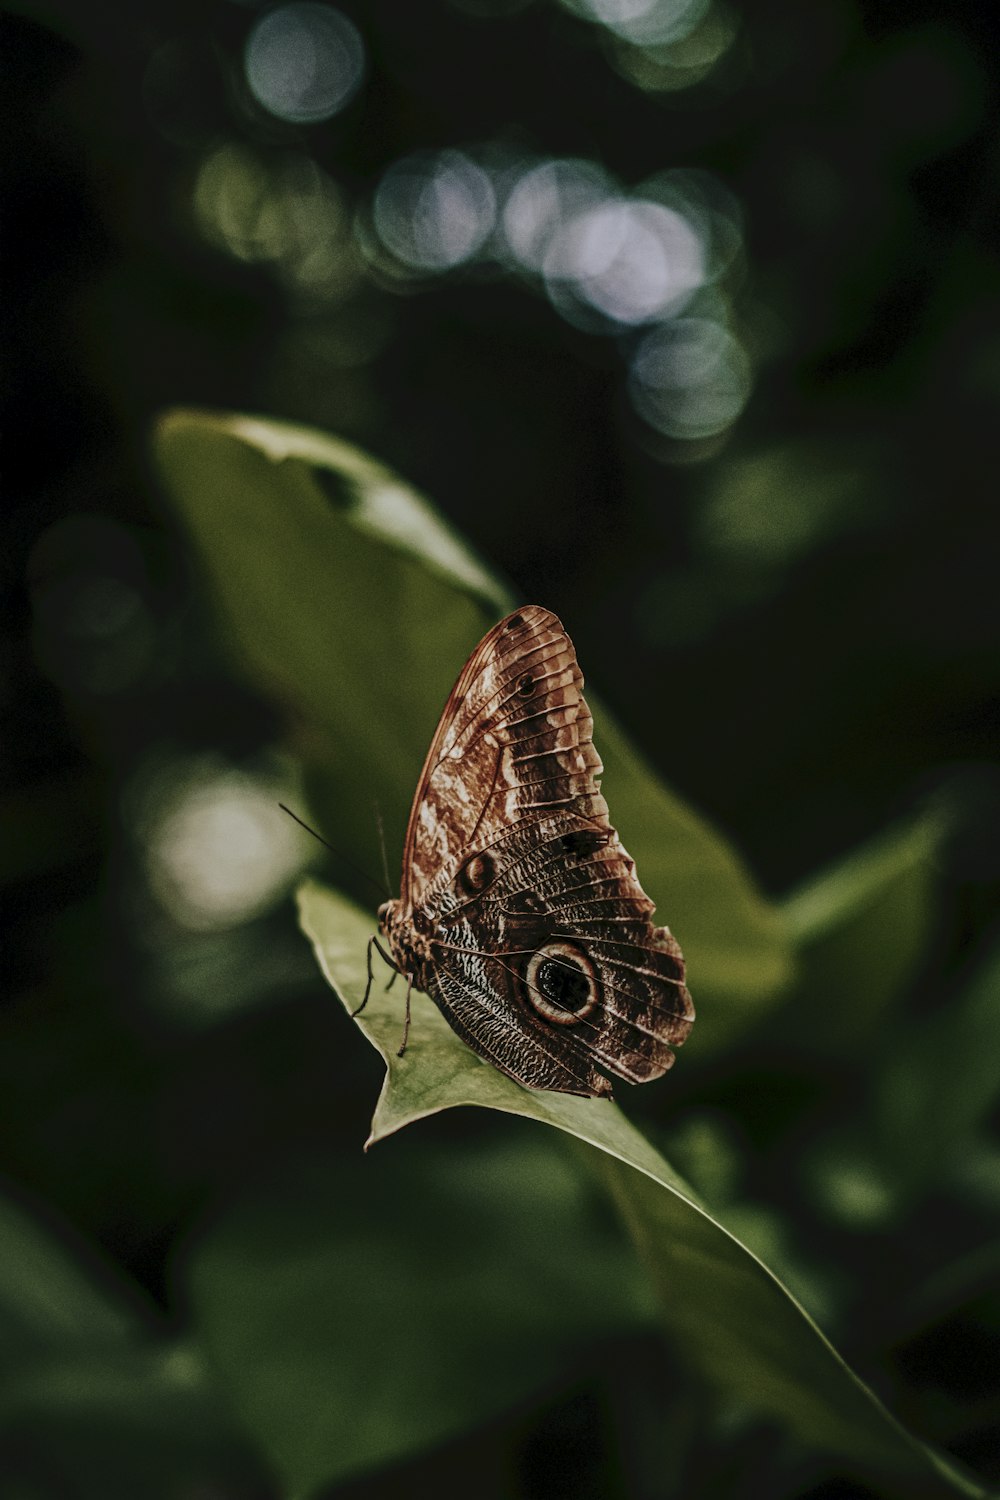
(174, 420)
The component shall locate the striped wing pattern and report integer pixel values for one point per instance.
(541, 952)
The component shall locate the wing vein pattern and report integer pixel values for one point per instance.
(534, 935)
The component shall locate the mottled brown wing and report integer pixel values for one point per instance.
(552, 968)
(514, 741)
(548, 962)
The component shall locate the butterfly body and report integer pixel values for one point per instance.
(520, 913)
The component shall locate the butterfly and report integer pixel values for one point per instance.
(520, 913)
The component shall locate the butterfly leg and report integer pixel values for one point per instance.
(373, 942)
(406, 1022)
(368, 986)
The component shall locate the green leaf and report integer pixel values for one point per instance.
(345, 609)
(731, 1315)
(861, 929)
(944, 1070)
(360, 1310)
(938, 1068)
(96, 1399)
(134, 1420)
(52, 1298)
(349, 601)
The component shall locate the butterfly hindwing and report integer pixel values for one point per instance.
(567, 968)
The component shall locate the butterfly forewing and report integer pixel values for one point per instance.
(520, 691)
(539, 946)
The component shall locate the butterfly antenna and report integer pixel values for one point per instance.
(383, 890)
(381, 842)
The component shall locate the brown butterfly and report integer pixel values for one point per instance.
(520, 913)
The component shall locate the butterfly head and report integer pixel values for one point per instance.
(385, 916)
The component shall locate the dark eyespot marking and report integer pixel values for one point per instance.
(476, 874)
(564, 983)
(514, 622)
(561, 983)
(526, 686)
(583, 841)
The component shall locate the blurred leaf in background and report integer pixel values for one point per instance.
(685, 318)
(731, 1316)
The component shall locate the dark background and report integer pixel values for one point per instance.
(797, 618)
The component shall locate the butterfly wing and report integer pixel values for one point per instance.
(516, 708)
(555, 970)
(547, 961)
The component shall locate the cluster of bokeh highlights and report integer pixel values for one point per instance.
(654, 265)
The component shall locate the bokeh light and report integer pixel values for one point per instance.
(283, 210)
(219, 850)
(769, 508)
(608, 260)
(543, 199)
(646, 22)
(230, 202)
(667, 67)
(851, 1190)
(712, 210)
(631, 261)
(689, 378)
(434, 211)
(626, 259)
(304, 62)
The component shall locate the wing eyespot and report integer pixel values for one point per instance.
(525, 686)
(476, 873)
(514, 622)
(561, 983)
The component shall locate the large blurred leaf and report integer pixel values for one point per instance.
(95, 1400)
(942, 1082)
(363, 1310)
(860, 929)
(51, 1299)
(350, 607)
(135, 1420)
(357, 610)
(730, 1314)
(923, 1110)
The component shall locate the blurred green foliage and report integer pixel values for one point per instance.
(780, 574)
(735, 1323)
